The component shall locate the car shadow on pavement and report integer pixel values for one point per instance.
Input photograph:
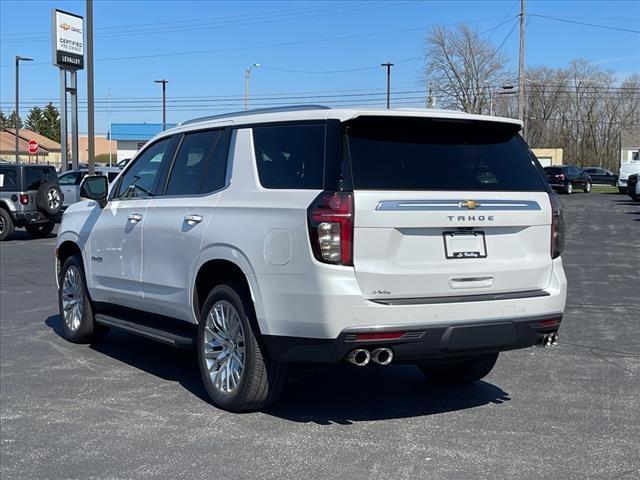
(22, 235)
(344, 394)
(163, 361)
(334, 394)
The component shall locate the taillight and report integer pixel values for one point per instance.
(557, 226)
(330, 218)
(24, 199)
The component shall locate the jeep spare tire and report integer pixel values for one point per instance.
(49, 199)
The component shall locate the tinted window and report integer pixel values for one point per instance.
(8, 179)
(111, 176)
(290, 156)
(70, 178)
(430, 154)
(36, 176)
(189, 165)
(141, 179)
(216, 170)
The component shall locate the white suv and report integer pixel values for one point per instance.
(320, 235)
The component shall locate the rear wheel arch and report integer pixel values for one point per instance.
(216, 272)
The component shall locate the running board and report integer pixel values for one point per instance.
(180, 338)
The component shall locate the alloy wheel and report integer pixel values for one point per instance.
(224, 347)
(72, 298)
(2, 224)
(53, 199)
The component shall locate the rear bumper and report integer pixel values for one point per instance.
(31, 218)
(420, 342)
(324, 302)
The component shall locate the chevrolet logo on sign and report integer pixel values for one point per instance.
(470, 204)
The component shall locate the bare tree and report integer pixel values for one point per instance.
(462, 66)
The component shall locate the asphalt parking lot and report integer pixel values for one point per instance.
(130, 408)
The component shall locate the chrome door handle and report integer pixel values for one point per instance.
(193, 219)
(134, 217)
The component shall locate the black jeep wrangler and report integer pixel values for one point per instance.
(30, 197)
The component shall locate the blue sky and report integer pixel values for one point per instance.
(306, 49)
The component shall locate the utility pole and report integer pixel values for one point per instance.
(90, 126)
(247, 76)
(521, 79)
(388, 65)
(164, 102)
(17, 125)
(109, 95)
(430, 99)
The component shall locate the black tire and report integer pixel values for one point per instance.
(622, 190)
(87, 330)
(39, 230)
(6, 224)
(467, 371)
(262, 379)
(568, 188)
(587, 187)
(49, 199)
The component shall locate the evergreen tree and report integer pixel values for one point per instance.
(35, 120)
(51, 121)
(11, 121)
(4, 121)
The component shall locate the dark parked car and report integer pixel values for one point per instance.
(566, 178)
(601, 176)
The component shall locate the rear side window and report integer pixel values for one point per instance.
(189, 165)
(8, 179)
(290, 156)
(36, 176)
(215, 176)
(431, 154)
(70, 178)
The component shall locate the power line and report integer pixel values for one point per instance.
(565, 20)
(196, 24)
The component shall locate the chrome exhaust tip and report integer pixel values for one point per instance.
(359, 357)
(382, 356)
(548, 340)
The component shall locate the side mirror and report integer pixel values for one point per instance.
(95, 188)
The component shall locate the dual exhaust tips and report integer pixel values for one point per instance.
(548, 340)
(361, 356)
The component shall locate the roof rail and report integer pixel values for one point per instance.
(288, 108)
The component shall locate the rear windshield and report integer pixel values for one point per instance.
(432, 154)
(628, 168)
(36, 176)
(553, 171)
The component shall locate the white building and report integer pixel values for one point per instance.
(630, 146)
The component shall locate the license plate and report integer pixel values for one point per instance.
(464, 245)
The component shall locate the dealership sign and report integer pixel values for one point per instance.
(68, 40)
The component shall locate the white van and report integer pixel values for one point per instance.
(627, 169)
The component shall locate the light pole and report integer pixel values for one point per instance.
(17, 125)
(388, 65)
(247, 75)
(164, 102)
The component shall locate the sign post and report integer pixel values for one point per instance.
(68, 55)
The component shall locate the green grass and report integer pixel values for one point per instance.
(604, 189)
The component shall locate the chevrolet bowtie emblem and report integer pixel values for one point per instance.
(470, 204)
